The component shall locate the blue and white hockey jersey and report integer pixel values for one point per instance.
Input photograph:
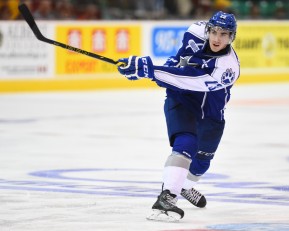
(202, 74)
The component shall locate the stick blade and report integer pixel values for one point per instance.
(25, 12)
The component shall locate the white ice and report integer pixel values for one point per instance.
(93, 161)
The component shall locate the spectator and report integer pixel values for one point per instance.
(206, 9)
(185, 8)
(44, 10)
(223, 5)
(149, 9)
(13, 5)
(9, 9)
(143, 10)
(5, 11)
(255, 11)
(280, 12)
(64, 10)
(89, 12)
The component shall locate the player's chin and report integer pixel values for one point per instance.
(216, 48)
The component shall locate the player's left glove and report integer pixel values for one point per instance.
(172, 61)
(136, 67)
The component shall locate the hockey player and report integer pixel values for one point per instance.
(198, 80)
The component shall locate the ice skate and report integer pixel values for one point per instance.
(165, 209)
(195, 197)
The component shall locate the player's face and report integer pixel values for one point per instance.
(218, 39)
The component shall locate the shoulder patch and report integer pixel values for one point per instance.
(201, 23)
(228, 76)
(192, 44)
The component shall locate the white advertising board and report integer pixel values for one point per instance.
(22, 55)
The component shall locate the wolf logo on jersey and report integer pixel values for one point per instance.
(228, 76)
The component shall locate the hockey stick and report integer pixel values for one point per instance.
(31, 22)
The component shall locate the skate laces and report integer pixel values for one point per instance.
(170, 199)
(192, 195)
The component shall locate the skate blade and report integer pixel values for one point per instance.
(159, 215)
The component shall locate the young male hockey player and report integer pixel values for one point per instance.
(198, 80)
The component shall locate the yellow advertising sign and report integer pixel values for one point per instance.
(108, 40)
(263, 45)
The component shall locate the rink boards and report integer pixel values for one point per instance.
(26, 64)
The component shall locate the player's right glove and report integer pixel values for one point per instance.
(136, 67)
(171, 62)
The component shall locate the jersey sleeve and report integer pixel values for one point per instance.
(214, 74)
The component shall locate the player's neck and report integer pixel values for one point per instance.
(209, 51)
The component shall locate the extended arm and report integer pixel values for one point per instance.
(202, 78)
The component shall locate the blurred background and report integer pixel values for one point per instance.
(81, 147)
(117, 29)
(144, 10)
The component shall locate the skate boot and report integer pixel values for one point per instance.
(165, 209)
(195, 197)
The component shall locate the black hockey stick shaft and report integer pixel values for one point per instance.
(31, 22)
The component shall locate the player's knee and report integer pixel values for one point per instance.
(201, 163)
(201, 155)
(199, 166)
(185, 144)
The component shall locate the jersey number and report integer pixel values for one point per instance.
(213, 85)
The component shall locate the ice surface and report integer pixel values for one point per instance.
(93, 161)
